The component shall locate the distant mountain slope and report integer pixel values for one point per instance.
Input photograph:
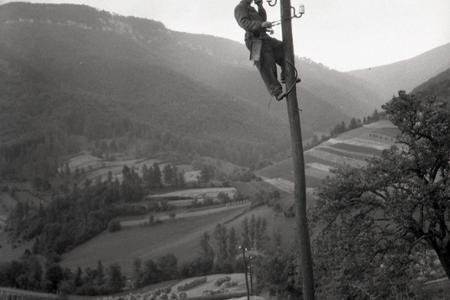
(407, 74)
(78, 71)
(438, 86)
(326, 95)
(74, 70)
(220, 63)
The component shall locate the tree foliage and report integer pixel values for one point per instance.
(375, 220)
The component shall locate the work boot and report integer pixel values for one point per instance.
(275, 93)
(281, 96)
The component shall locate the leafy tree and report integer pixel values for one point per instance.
(232, 244)
(152, 177)
(246, 242)
(157, 176)
(78, 278)
(221, 243)
(207, 173)
(131, 188)
(223, 197)
(115, 280)
(180, 182)
(170, 174)
(168, 266)
(252, 231)
(354, 123)
(338, 129)
(137, 272)
(114, 226)
(54, 276)
(206, 250)
(380, 217)
(24, 274)
(276, 274)
(100, 274)
(151, 273)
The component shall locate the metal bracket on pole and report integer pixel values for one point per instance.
(301, 12)
(272, 3)
(294, 15)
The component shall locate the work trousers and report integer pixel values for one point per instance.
(272, 54)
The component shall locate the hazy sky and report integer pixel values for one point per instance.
(342, 34)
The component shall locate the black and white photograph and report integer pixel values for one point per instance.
(225, 150)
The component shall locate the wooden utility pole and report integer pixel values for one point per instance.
(297, 155)
(245, 271)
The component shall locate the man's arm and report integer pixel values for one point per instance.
(261, 10)
(241, 15)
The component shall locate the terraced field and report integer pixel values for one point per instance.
(350, 148)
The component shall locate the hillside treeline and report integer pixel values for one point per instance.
(39, 154)
(219, 252)
(34, 274)
(78, 213)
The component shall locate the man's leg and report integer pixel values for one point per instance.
(278, 50)
(268, 69)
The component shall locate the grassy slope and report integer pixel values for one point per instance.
(180, 237)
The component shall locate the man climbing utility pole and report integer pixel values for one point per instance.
(297, 154)
(265, 52)
(260, 45)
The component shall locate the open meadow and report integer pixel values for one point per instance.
(180, 237)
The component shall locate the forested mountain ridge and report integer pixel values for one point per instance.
(406, 74)
(66, 74)
(71, 70)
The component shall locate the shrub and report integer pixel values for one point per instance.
(230, 284)
(114, 226)
(192, 284)
(222, 280)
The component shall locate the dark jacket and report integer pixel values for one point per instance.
(250, 20)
